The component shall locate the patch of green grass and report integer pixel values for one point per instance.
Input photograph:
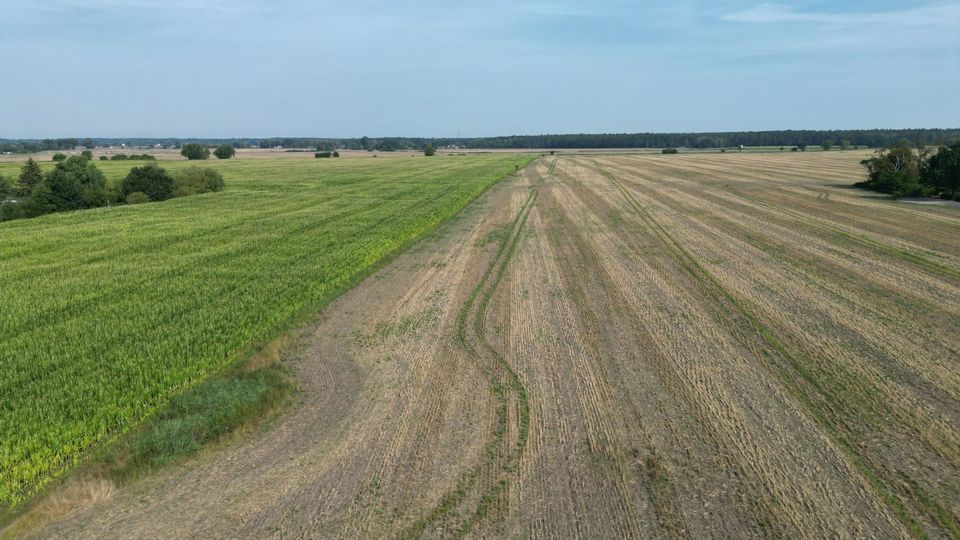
(202, 415)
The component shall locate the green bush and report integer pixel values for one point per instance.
(429, 150)
(138, 197)
(59, 156)
(87, 154)
(205, 413)
(119, 157)
(323, 154)
(104, 158)
(11, 210)
(669, 151)
(195, 151)
(195, 180)
(142, 157)
(151, 180)
(224, 151)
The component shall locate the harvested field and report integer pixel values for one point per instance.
(616, 346)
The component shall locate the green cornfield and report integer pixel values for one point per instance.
(107, 313)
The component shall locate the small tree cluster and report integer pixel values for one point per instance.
(75, 183)
(669, 151)
(429, 150)
(903, 172)
(195, 151)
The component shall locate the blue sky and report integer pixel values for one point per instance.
(225, 68)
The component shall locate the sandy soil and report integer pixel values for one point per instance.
(615, 346)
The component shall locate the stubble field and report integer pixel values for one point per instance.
(616, 346)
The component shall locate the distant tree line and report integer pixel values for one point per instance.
(872, 138)
(903, 171)
(25, 146)
(75, 183)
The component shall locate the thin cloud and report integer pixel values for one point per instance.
(768, 13)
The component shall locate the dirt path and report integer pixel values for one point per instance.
(617, 346)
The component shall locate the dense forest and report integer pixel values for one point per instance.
(873, 138)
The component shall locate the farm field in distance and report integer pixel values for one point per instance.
(602, 346)
(107, 312)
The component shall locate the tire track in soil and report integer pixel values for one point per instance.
(483, 488)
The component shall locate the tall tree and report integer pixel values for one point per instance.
(30, 176)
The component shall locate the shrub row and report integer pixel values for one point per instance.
(75, 183)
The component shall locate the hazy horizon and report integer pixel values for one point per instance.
(156, 69)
